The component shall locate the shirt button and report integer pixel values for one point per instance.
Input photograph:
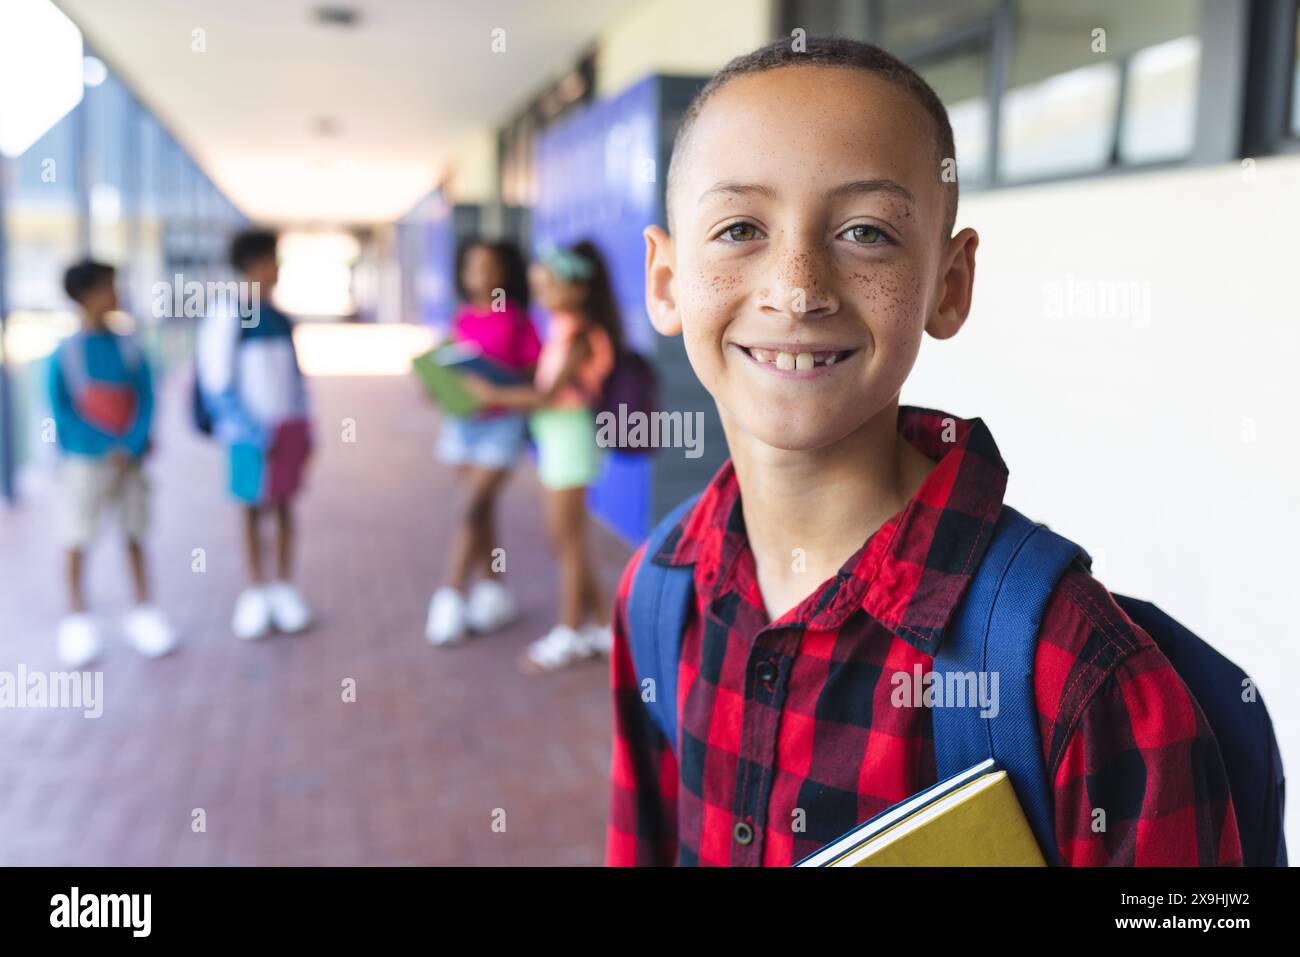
(766, 672)
(744, 833)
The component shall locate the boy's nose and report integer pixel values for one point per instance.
(798, 286)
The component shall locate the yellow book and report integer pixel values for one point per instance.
(972, 819)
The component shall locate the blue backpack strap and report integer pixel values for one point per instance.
(656, 614)
(995, 631)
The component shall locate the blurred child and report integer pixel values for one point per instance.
(582, 339)
(102, 399)
(493, 287)
(256, 396)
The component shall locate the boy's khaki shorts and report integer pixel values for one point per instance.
(88, 485)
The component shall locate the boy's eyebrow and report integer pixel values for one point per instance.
(864, 187)
(730, 188)
(858, 187)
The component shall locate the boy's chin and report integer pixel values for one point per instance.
(793, 436)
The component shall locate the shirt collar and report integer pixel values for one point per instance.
(911, 574)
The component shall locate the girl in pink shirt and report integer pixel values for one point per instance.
(492, 281)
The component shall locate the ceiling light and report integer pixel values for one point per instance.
(40, 71)
(336, 15)
(93, 71)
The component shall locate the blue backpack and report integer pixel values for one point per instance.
(996, 630)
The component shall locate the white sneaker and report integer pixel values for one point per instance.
(149, 632)
(447, 617)
(289, 612)
(252, 614)
(78, 640)
(560, 646)
(490, 606)
(600, 638)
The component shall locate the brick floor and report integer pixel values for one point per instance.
(256, 734)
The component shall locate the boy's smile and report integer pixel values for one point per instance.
(807, 253)
(798, 360)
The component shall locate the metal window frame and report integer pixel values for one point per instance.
(1266, 127)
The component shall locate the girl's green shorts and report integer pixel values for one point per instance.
(567, 454)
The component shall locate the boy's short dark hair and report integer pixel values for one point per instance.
(252, 244)
(84, 277)
(842, 52)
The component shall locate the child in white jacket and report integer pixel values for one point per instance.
(254, 392)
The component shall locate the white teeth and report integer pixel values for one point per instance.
(788, 361)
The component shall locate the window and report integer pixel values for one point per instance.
(960, 81)
(1111, 83)
(1160, 118)
(1061, 124)
(1041, 89)
(947, 41)
(909, 25)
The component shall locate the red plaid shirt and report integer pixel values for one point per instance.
(789, 737)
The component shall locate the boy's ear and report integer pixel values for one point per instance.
(956, 285)
(660, 266)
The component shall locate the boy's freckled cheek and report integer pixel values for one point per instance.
(709, 296)
(892, 299)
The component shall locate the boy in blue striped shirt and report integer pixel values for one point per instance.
(101, 396)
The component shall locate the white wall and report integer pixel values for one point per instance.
(684, 37)
(1159, 428)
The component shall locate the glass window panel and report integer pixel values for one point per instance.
(47, 171)
(960, 82)
(1061, 114)
(815, 17)
(107, 106)
(41, 242)
(909, 24)
(1064, 124)
(1160, 102)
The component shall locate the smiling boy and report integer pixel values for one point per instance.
(810, 245)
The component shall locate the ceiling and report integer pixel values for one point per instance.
(306, 123)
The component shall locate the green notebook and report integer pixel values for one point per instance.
(443, 383)
(441, 368)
